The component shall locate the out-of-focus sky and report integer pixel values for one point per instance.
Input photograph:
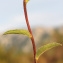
(47, 13)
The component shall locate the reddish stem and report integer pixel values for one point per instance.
(28, 25)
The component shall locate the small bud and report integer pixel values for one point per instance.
(26, 1)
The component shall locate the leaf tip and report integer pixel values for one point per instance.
(4, 33)
(59, 44)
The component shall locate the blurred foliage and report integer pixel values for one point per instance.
(11, 56)
(54, 55)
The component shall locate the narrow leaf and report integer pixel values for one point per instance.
(45, 48)
(18, 31)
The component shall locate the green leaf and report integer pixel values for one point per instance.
(45, 48)
(18, 31)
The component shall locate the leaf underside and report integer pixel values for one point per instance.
(45, 48)
(18, 31)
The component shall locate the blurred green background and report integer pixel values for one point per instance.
(18, 48)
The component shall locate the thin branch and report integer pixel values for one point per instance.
(28, 25)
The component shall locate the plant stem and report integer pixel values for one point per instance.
(28, 25)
